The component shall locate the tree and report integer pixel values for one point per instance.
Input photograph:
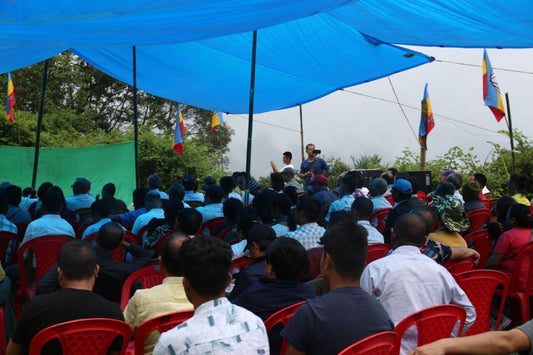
(367, 162)
(84, 107)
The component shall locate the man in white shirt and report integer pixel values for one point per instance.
(81, 198)
(213, 204)
(191, 186)
(217, 325)
(407, 281)
(287, 163)
(362, 209)
(154, 183)
(152, 202)
(51, 222)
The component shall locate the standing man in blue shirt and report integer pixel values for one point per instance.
(313, 165)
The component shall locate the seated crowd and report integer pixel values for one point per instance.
(237, 259)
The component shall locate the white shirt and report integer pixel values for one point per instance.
(145, 218)
(193, 196)
(163, 195)
(285, 167)
(95, 227)
(217, 327)
(407, 281)
(235, 195)
(374, 236)
(210, 211)
(238, 249)
(76, 202)
(49, 224)
(342, 204)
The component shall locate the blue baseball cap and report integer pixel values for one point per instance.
(403, 186)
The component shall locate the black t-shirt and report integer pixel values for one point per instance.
(328, 324)
(58, 307)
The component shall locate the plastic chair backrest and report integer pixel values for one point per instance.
(481, 241)
(384, 343)
(223, 233)
(433, 323)
(162, 324)
(522, 277)
(480, 287)
(3, 344)
(282, 316)
(45, 250)
(380, 214)
(376, 251)
(149, 276)
(5, 239)
(241, 262)
(139, 236)
(313, 263)
(210, 227)
(83, 336)
(455, 267)
(478, 218)
(160, 242)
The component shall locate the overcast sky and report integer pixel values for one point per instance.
(344, 124)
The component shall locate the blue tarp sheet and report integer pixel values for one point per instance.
(198, 52)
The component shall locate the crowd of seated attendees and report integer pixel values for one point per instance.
(275, 230)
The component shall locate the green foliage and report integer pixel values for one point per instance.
(364, 161)
(86, 107)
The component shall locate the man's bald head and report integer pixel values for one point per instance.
(410, 229)
(170, 254)
(110, 236)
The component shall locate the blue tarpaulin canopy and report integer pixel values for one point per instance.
(198, 52)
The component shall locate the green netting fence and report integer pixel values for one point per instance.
(100, 164)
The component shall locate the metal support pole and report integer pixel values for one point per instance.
(39, 125)
(510, 127)
(302, 133)
(250, 121)
(135, 118)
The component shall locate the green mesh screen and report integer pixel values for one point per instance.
(100, 164)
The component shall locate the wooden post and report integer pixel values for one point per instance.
(510, 128)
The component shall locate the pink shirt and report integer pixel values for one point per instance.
(509, 244)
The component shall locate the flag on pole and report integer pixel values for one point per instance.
(426, 119)
(10, 100)
(179, 132)
(491, 91)
(216, 120)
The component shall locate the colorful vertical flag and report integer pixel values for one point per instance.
(11, 99)
(491, 91)
(216, 120)
(426, 119)
(179, 132)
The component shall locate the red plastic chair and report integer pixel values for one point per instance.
(376, 251)
(481, 241)
(521, 285)
(313, 264)
(384, 343)
(160, 242)
(45, 250)
(433, 323)
(149, 276)
(480, 286)
(478, 218)
(241, 263)
(380, 214)
(223, 233)
(390, 199)
(3, 344)
(5, 239)
(138, 238)
(83, 336)
(282, 316)
(162, 324)
(455, 267)
(210, 227)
